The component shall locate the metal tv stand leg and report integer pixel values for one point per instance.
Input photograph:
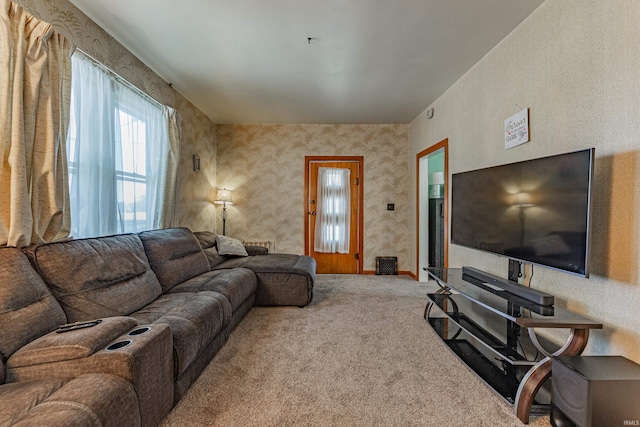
(538, 374)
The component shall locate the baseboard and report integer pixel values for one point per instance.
(411, 274)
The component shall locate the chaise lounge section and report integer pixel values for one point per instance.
(283, 279)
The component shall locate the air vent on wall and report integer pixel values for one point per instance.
(386, 265)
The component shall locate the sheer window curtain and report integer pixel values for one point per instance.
(35, 72)
(123, 151)
(333, 212)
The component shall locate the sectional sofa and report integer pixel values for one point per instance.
(150, 312)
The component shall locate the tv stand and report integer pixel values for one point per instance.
(493, 333)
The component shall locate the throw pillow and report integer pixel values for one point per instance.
(230, 246)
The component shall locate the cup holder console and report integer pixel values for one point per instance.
(118, 345)
(125, 342)
(139, 331)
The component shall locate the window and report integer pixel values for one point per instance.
(118, 151)
(131, 174)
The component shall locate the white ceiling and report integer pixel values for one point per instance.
(369, 61)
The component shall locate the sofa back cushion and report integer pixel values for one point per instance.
(207, 242)
(174, 254)
(98, 277)
(27, 308)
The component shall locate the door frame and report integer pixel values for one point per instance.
(360, 232)
(444, 144)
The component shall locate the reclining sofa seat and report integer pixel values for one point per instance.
(99, 400)
(182, 269)
(101, 277)
(181, 266)
(28, 312)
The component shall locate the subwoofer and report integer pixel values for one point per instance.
(595, 391)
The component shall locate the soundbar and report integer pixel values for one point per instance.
(533, 295)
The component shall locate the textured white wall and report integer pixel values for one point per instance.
(264, 166)
(575, 64)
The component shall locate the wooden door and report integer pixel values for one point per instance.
(335, 263)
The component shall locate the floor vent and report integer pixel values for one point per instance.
(386, 265)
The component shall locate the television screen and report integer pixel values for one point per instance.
(536, 211)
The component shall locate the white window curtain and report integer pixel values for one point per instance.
(122, 161)
(334, 211)
(35, 69)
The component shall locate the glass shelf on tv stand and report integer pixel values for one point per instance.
(493, 333)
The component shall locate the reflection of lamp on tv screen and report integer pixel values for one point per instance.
(522, 201)
(535, 211)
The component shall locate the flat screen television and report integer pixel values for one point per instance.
(536, 211)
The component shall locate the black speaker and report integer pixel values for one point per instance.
(594, 391)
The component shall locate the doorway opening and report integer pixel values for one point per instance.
(432, 214)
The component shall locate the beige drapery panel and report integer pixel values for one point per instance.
(35, 79)
(169, 215)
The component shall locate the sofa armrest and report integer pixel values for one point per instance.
(144, 356)
(256, 250)
(70, 345)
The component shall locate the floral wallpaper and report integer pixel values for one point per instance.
(264, 167)
(198, 133)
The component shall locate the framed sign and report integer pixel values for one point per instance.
(516, 129)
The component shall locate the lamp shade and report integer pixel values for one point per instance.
(223, 197)
(437, 178)
(523, 200)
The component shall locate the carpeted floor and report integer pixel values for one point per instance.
(360, 355)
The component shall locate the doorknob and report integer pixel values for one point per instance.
(312, 213)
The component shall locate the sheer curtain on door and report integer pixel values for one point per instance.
(334, 210)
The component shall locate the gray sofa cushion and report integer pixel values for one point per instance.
(257, 250)
(195, 319)
(174, 255)
(99, 277)
(283, 279)
(236, 284)
(207, 241)
(89, 400)
(27, 308)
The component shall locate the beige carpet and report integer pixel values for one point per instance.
(360, 355)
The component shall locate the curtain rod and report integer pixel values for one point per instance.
(118, 77)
